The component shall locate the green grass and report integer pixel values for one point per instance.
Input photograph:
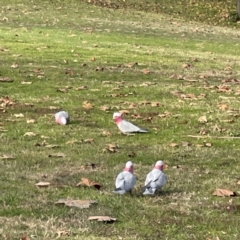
(60, 47)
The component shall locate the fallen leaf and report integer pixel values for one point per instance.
(207, 144)
(174, 145)
(186, 65)
(63, 90)
(76, 203)
(89, 183)
(81, 88)
(223, 107)
(7, 157)
(14, 65)
(20, 115)
(224, 192)
(51, 146)
(30, 134)
(73, 142)
(145, 71)
(87, 105)
(30, 121)
(61, 233)
(6, 79)
(88, 140)
(102, 218)
(130, 65)
(57, 155)
(202, 119)
(26, 83)
(111, 147)
(156, 104)
(42, 184)
(106, 133)
(105, 108)
(238, 182)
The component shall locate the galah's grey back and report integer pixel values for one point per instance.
(155, 179)
(125, 181)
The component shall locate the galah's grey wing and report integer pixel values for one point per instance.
(128, 127)
(120, 181)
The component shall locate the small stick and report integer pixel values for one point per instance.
(199, 136)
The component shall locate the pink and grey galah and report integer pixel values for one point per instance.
(125, 126)
(155, 179)
(125, 180)
(62, 117)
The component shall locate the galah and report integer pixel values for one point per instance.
(62, 117)
(125, 126)
(155, 179)
(125, 180)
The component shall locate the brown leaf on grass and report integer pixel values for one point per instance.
(87, 105)
(63, 90)
(186, 144)
(126, 112)
(30, 134)
(102, 218)
(88, 140)
(93, 59)
(146, 71)
(224, 192)
(20, 115)
(174, 145)
(147, 84)
(111, 148)
(130, 65)
(81, 88)
(106, 133)
(6, 79)
(165, 114)
(53, 108)
(42, 184)
(202, 119)
(57, 155)
(223, 107)
(105, 108)
(133, 105)
(30, 121)
(61, 233)
(156, 104)
(73, 142)
(76, 203)
(26, 83)
(14, 65)
(238, 182)
(99, 69)
(206, 144)
(224, 88)
(7, 157)
(186, 65)
(89, 183)
(51, 146)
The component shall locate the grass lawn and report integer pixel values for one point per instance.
(176, 78)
